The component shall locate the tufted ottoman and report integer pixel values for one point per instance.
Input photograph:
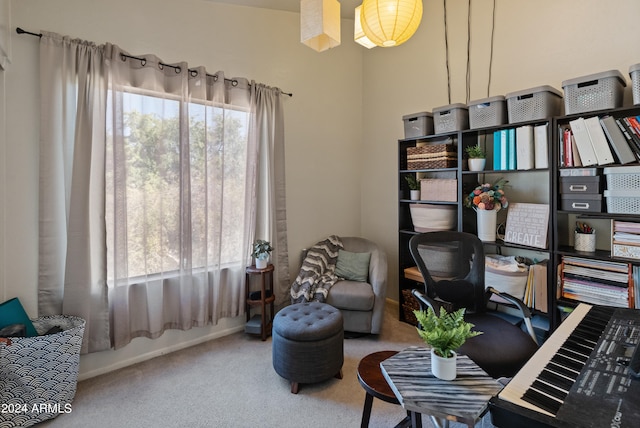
(308, 343)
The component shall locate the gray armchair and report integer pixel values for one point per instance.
(361, 303)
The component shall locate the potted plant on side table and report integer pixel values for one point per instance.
(476, 158)
(261, 251)
(444, 334)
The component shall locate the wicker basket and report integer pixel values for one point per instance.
(432, 156)
(39, 374)
(410, 304)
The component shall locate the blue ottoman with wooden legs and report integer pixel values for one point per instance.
(308, 343)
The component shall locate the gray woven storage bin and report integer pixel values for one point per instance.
(39, 375)
(485, 112)
(541, 102)
(598, 91)
(450, 118)
(634, 73)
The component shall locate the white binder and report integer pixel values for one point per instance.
(541, 146)
(583, 142)
(524, 147)
(599, 141)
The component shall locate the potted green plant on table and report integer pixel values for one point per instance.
(414, 186)
(261, 251)
(444, 334)
(476, 157)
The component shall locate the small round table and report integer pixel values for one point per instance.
(371, 378)
(260, 324)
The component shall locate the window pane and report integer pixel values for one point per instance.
(156, 210)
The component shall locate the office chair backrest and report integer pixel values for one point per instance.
(452, 265)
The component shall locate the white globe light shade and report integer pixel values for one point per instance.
(390, 22)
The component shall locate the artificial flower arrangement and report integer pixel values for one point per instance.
(488, 197)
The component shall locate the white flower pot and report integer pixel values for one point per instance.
(443, 368)
(476, 164)
(415, 195)
(261, 263)
(487, 225)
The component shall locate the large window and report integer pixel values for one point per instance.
(180, 201)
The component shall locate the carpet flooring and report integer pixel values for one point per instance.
(230, 382)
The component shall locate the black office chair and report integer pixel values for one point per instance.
(452, 265)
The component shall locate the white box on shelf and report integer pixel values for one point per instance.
(623, 201)
(438, 189)
(623, 178)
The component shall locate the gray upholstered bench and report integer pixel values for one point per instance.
(308, 343)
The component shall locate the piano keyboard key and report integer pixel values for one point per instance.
(544, 382)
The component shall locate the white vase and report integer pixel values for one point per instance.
(487, 220)
(261, 263)
(476, 164)
(415, 195)
(443, 368)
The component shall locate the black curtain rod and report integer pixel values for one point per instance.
(193, 72)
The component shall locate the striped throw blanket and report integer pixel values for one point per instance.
(317, 273)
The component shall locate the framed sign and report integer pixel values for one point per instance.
(527, 224)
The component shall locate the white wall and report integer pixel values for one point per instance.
(323, 132)
(537, 43)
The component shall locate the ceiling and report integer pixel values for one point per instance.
(346, 6)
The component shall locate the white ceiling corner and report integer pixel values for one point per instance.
(347, 7)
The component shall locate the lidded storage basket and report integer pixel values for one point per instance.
(634, 73)
(598, 91)
(450, 118)
(623, 189)
(490, 111)
(533, 104)
(418, 124)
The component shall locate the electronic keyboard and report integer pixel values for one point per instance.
(582, 376)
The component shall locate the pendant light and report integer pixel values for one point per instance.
(320, 24)
(358, 34)
(390, 22)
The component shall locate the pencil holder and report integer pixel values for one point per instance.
(585, 242)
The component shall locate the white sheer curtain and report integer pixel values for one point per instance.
(181, 225)
(151, 175)
(72, 260)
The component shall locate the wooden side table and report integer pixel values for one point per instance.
(375, 385)
(260, 323)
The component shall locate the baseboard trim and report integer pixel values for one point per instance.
(167, 350)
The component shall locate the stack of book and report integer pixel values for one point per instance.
(599, 141)
(598, 282)
(625, 241)
(522, 148)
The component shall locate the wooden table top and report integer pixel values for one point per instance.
(371, 377)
